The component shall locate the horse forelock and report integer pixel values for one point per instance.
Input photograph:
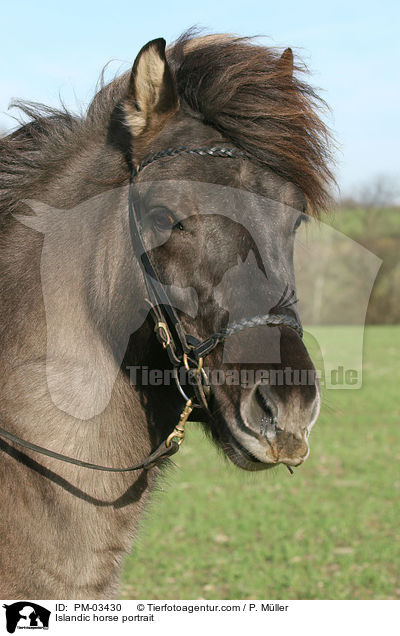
(239, 88)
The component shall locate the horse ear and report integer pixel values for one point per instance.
(152, 94)
(285, 63)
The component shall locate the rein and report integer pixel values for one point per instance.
(184, 350)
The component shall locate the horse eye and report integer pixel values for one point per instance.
(302, 218)
(164, 220)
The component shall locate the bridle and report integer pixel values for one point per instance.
(184, 350)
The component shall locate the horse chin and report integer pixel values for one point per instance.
(238, 452)
(243, 458)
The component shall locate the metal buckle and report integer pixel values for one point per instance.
(179, 430)
(162, 331)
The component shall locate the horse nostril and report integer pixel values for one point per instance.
(269, 421)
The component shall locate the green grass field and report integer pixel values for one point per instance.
(330, 531)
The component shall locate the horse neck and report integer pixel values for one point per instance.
(57, 367)
(63, 385)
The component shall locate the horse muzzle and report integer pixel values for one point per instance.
(272, 427)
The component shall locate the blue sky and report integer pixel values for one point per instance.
(51, 49)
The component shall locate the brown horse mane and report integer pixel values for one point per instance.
(236, 86)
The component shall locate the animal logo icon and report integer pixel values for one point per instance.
(26, 615)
